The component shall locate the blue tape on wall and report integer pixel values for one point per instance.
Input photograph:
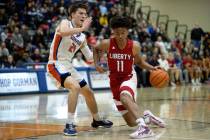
(42, 81)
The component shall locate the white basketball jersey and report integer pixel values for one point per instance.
(64, 48)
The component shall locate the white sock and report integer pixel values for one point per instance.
(96, 117)
(140, 121)
(71, 118)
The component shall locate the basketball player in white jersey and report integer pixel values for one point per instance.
(68, 39)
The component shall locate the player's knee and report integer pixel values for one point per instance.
(74, 87)
(124, 98)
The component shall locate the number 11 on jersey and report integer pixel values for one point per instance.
(120, 66)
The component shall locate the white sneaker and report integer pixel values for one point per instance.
(198, 82)
(150, 118)
(142, 132)
(173, 84)
(193, 82)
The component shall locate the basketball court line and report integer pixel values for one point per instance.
(183, 138)
(187, 120)
(23, 130)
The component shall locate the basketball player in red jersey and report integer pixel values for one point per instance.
(122, 53)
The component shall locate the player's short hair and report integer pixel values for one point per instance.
(120, 22)
(76, 5)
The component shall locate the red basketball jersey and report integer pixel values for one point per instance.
(120, 62)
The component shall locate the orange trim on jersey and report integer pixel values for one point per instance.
(53, 71)
(56, 44)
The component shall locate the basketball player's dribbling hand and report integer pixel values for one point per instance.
(86, 24)
(157, 67)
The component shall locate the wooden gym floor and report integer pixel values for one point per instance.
(186, 110)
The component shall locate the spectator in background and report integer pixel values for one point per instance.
(160, 44)
(112, 13)
(39, 38)
(10, 62)
(197, 71)
(36, 56)
(25, 34)
(206, 43)
(143, 34)
(174, 72)
(4, 34)
(163, 62)
(177, 44)
(153, 60)
(24, 58)
(13, 22)
(143, 74)
(17, 39)
(3, 16)
(206, 67)
(179, 65)
(78, 61)
(103, 8)
(188, 65)
(196, 35)
(4, 52)
(103, 20)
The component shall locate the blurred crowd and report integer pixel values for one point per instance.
(27, 28)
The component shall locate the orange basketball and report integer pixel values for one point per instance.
(159, 78)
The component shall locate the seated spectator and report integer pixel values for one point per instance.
(36, 56)
(103, 8)
(103, 20)
(24, 58)
(188, 65)
(17, 40)
(78, 61)
(177, 44)
(163, 62)
(206, 67)
(179, 65)
(197, 71)
(145, 73)
(160, 44)
(4, 52)
(174, 72)
(206, 43)
(153, 60)
(10, 62)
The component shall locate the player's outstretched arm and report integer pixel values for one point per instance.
(64, 28)
(87, 52)
(98, 51)
(138, 59)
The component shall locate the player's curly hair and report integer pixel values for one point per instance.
(76, 5)
(120, 22)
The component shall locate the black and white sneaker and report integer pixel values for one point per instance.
(102, 123)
